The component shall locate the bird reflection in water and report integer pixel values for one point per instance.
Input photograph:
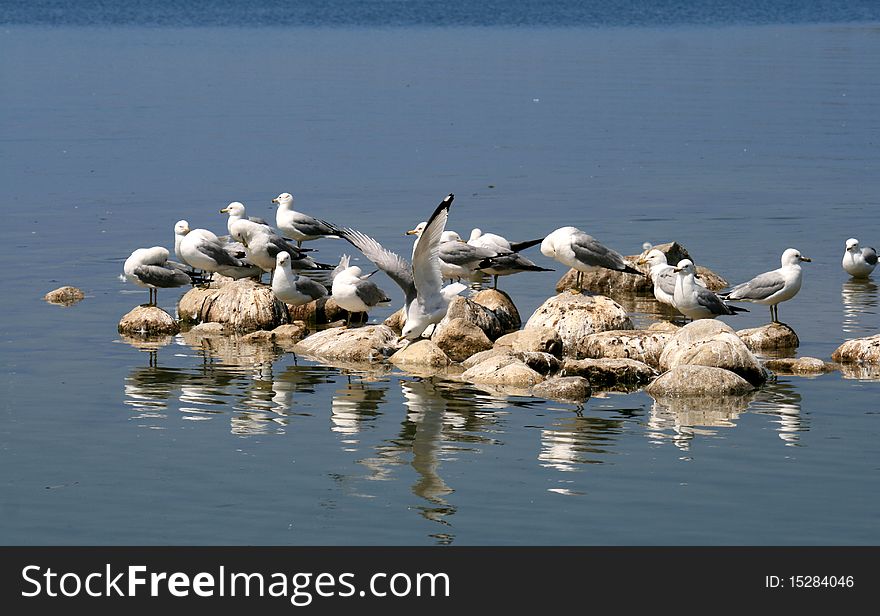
(859, 306)
(781, 401)
(356, 406)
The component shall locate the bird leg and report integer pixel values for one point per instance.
(576, 289)
(495, 282)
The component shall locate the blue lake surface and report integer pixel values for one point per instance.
(733, 128)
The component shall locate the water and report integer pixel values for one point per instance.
(736, 133)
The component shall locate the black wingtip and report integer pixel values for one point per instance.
(632, 270)
(735, 309)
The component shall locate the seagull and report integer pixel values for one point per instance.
(458, 259)
(150, 267)
(292, 288)
(574, 248)
(296, 225)
(663, 276)
(859, 263)
(504, 265)
(492, 240)
(201, 249)
(771, 288)
(426, 302)
(353, 291)
(694, 301)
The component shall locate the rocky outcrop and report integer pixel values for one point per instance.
(566, 389)
(502, 370)
(708, 342)
(495, 351)
(147, 321)
(533, 339)
(642, 345)
(687, 380)
(420, 354)
(460, 339)
(500, 303)
(610, 373)
(244, 305)
(801, 365)
(324, 311)
(361, 344)
(576, 316)
(770, 337)
(64, 296)
(862, 350)
(472, 312)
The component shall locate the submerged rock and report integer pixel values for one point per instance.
(460, 339)
(208, 329)
(244, 305)
(863, 350)
(565, 388)
(500, 303)
(686, 380)
(422, 353)
(147, 321)
(610, 373)
(64, 296)
(575, 316)
(770, 337)
(502, 370)
(801, 365)
(533, 339)
(361, 344)
(708, 342)
(642, 345)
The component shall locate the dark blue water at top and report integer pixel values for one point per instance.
(371, 13)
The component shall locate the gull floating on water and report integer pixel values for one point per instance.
(574, 248)
(202, 250)
(150, 267)
(426, 302)
(507, 264)
(859, 262)
(663, 276)
(297, 225)
(292, 288)
(694, 301)
(771, 288)
(353, 291)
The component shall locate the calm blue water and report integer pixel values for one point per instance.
(738, 132)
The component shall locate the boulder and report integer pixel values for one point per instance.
(707, 342)
(147, 321)
(543, 363)
(208, 329)
(291, 332)
(500, 303)
(324, 311)
(770, 337)
(642, 345)
(395, 321)
(501, 370)
(460, 339)
(360, 344)
(534, 339)
(565, 388)
(243, 304)
(64, 296)
(610, 373)
(862, 350)
(257, 337)
(575, 316)
(698, 380)
(472, 312)
(496, 351)
(664, 326)
(801, 365)
(422, 353)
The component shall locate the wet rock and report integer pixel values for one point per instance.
(575, 316)
(500, 303)
(291, 332)
(502, 370)
(862, 350)
(243, 304)
(801, 365)
(324, 311)
(257, 337)
(543, 363)
(708, 342)
(148, 321)
(472, 312)
(395, 321)
(641, 345)
(687, 380)
(360, 344)
(610, 373)
(64, 296)
(482, 356)
(770, 337)
(460, 339)
(208, 329)
(565, 388)
(421, 353)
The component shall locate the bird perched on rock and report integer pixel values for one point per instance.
(297, 225)
(202, 250)
(505, 264)
(574, 248)
(353, 291)
(858, 262)
(150, 267)
(290, 287)
(458, 259)
(771, 288)
(663, 276)
(694, 301)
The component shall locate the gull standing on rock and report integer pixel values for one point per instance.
(202, 250)
(694, 301)
(504, 265)
(663, 276)
(574, 248)
(150, 267)
(353, 291)
(426, 303)
(458, 259)
(292, 288)
(296, 225)
(771, 288)
(859, 262)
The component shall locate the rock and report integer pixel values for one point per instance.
(664, 326)
(291, 332)
(501, 370)
(209, 329)
(863, 350)
(769, 337)
(257, 337)
(64, 296)
(482, 356)
(148, 321)
(610, 373)
(566, 388)
(801, 365)
(243, 304)
(482, 317)
(686, 380)
(324, 311)
(360, 344)
(533, 339)
(708, 342)
(500, 303)
(460, 339)
(575, 316)
(543, 363)
(421, 353)
(395, 321)
(641, 345)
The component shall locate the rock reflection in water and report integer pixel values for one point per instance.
(681, 420)
(781, 401)
(859, 306)
(575, 440)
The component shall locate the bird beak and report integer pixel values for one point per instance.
(641, 262)
(677, 269)
(807, 259)
(224, 210)
(462, 241)
(275, 200)
(412, 232)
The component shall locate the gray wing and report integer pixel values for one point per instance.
(161, 277)
(588, 250)
(392, 264)
(309, 287)
(709, 300)
(457, 253)
(308, 225)
(426, 256)
(259, 221)
(759, 287)
(218, 253)
(665, 281)
(511, 264)
(369, 293)
(870, 255)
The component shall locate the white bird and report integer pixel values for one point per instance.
(292, 288)
(574, 248)
(353, 291)
(426, 302)
(297, 225)
(504, 265)
(458, 259)
(201, 249)
(859, 262)
(150, 267)
(771, 288)
(694, 301)
(663, 276)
